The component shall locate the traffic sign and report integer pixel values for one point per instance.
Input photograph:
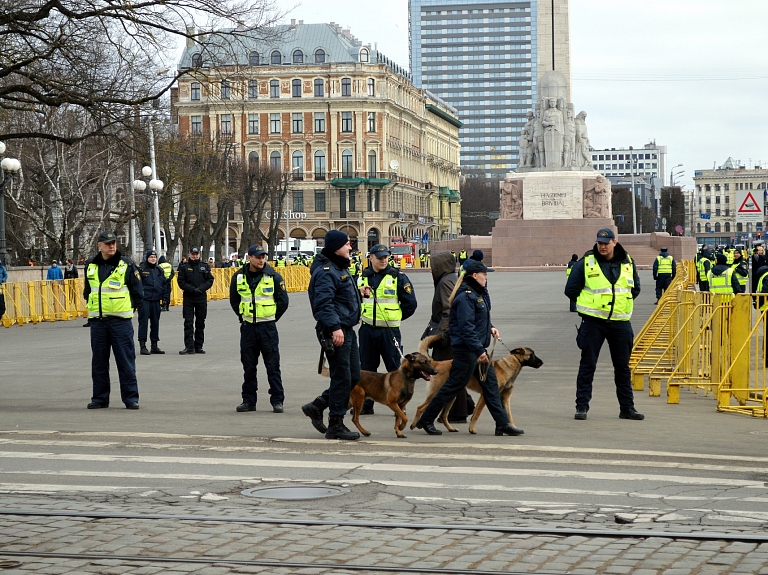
(748, 209)
(679, 229)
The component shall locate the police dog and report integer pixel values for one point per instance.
(507, 369)
(393, 389)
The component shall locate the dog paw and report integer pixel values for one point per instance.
(401, 436)
(473, 431)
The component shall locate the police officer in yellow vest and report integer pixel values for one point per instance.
(664, 270)
(722, 278)
(113, 291)
(168, 273)
(703, 262)
(279, 261)
(604, 284)
(258, 296)
(390, 300)
(462, 257)
(740, 269)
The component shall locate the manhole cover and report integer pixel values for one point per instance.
(295, 492)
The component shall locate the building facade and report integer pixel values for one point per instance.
(366, 151)
(479, 56)
(715, 208)
(649, 162)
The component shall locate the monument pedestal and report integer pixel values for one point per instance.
(540, 242)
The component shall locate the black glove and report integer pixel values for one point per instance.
(198, 291)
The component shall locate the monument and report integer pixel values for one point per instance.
(553, 203)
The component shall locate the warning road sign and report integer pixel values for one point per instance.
(748, 209)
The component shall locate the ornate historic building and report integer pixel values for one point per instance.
(367, 152)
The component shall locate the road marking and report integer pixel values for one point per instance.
(49, 488)
(385, 468)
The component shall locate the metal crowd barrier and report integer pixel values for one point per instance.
(33, 302)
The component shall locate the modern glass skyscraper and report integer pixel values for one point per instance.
(480, 56)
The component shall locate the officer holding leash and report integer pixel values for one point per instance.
(390, 300)
(258, 296)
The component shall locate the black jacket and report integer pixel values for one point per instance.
(106, 267)
(153, 280)
(194, 279)
(611, 270)
(470, 320)
(280, 294)
(405, 295)
(333, 294)
(70, 272)
(443, 266)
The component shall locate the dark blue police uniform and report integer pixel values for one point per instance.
(153, 282)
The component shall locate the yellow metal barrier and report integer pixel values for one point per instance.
(33, 302)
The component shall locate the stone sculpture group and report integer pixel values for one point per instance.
(554, 138)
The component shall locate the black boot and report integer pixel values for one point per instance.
(143, 346)
(314, 411)
(155, 349)
(337, 429)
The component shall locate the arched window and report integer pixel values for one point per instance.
(275, 162)
(320, 166)
(319, 88)
(298, 57)
(274, 88)
(372, 167)
(297, 165)
(253, 159)
(253, 59)
(373, 237)
(738, 227)
(717, 227)
(197, 60)
(727, 226)
(708, 227)
(698, 228)
(319, 56)
(276, 57)
(195, 90)
(346, 164)
(296, 88)
(364, 55)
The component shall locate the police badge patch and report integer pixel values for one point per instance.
(282, 286)
(136, 273)
(408, 288)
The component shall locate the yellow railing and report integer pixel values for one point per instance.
(33, 302)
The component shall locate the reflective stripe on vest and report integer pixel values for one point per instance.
(700, 269)
(110, 298)
(762, 299)
(167, 269)
(600, 299)
(281, 263)
(385, 312)
(665, 264)
(740, 278)
(261, 299)
(720, 283)
(729, 258)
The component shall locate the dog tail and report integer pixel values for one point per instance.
(425, 343)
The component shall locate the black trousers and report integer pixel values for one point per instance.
(592, 334)
(260, 339)
(704, 286)
(194, 313)
(149, 312)
(376, 343)
(463, 367)
(662, 283)
(344, 365)
(116, 335)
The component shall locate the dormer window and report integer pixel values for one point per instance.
(298, 57)
(276, 58)
(253, 59)
(197, 60)
(364, 55)
(319, 56)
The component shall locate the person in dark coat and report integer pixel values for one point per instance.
(258, 296)
(335, 300)
(194, 279)
(168, 274)
(759, 259)
(153, 280)
(70, 272)
(470, 330)
(574, 259)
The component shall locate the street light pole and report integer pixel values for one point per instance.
(156, 186)
(10, 167)
(133, 218)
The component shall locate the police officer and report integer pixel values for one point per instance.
(280, 263)
(722, 278)
(335, 301)
(354, 266)
(703, 264)
(168, 274)
(471, 331)
(604, 284)
(194, 280)
(423, 259)
(664, 270)
(153, 282)
(390, 301)
(740, 269)
(113, 291)
(258, 296)
(574, 259)
(462, 257)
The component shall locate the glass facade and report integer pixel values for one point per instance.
(480, 57)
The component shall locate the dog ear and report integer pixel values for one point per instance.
(518, 351)
(409, 357)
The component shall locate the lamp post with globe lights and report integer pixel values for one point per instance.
(140, 186)
(11, 168)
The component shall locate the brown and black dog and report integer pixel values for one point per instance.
(393, 389)
(507, 369)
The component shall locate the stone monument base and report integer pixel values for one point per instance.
(540, 242)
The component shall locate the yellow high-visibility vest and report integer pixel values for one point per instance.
(720, 283)
(386, 311)
(111, 297)
(261, 300)
(600, 299)
(665, 264)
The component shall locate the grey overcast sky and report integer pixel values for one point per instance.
(690, 74)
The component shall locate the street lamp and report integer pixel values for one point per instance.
(10, 167)
(673, 175)
(140, 186)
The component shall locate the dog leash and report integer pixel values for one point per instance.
(483, 368)
(504, 344)
(386, 322)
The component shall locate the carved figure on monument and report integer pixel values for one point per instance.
(569, 139)
(510, 201)
(583, 158)
(597, 198)
(525, 144)
(552, 121)
(538, 140)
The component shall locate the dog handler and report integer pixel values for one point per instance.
(471, 331)
(258, 296)
(335, 301)
(391, 300)
(604, 284)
